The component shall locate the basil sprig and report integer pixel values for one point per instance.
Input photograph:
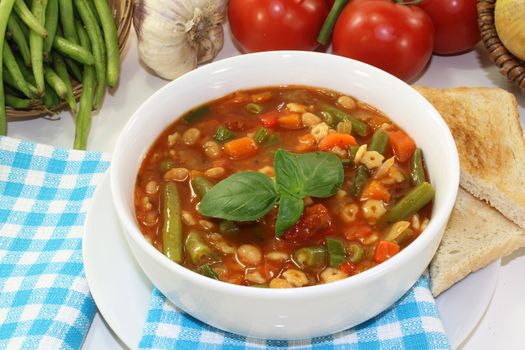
(249, 195)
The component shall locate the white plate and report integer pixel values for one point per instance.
(122, 292)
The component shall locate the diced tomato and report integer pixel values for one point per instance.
(357, 231)
(385, 250)
(348, 268)
(270, 119)
(315, 220)
(306, 143)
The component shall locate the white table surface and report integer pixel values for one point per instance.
(502, 325)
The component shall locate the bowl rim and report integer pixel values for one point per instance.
(438, 220)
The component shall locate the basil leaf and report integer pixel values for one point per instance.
(290, 211)
(244, 196)
(318, 174)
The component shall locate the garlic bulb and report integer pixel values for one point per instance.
(174, 36)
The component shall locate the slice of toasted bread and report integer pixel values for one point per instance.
(476, 235)
(485, 125)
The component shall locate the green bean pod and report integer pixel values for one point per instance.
(111, 40)
(360, 179)
(74, 51)
(414, 200)
(73, 68)
(51, 25)
(50, 98)
(198, 250)
(29, 18)
(358, 127)
(61, 70)
(67, 19)
(12, 66)
(308, 257)
(36, 45)
(6, 6)
(417, 171)
(17, 102)
(15, 27)
(201, 185)
(379, 141)
(55, 82)
(355, 252)
(10, 81)
(172, 245)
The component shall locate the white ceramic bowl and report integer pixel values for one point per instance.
(302, 312)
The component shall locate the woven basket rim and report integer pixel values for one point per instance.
(123, 29)
(509, 65)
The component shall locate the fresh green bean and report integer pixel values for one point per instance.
(166, 165)
(355, 252)
(360, 178)
(358, 127)
(93, 9)
(12, 66)
(336, 251)
(55, 82)
(414, 200)
(111, 40)
(50, 98)
(73, 68)
(85, 106)
(51, 24)
(74, 51)
(352, 151)
(9, 80)
(260, 135)
(207, 271)
(314, 256)
(95, 36)
(223, 134)
(61, 69)
(254, 108)
(199, 251)
(26, 72)
(417, 171)
(172, 225)
(36, 45)
(6, 7)
(67, 19)
(195, 114)
(328, 118)
(19, 38)
(201, 185)
(17, 102)
(379, 141)
(30, 19)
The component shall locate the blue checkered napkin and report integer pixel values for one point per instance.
(44, 195)
(412, 323)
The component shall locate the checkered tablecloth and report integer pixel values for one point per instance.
(44, 196)
(412, 323)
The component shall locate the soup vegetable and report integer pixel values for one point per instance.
(282, 187)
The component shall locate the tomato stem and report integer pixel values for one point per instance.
(329, 23)
(407, 2)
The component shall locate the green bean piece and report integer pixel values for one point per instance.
(85, 106)
(352, 151)
(11, 65)
(414, 200)
(50, 98)
(328, 118)
(223, 134)
(166, 165)
(260, 135)
(207, 271)
(254, 108)
(201, 185)
(417, 171)
(172, 245)
(26, 72)
(10, 81)
(111, 40)
(51, 25)
(195, 114)
(272, 140)
(336, 251)
(67, 19)
(306, 257)
(93, 9)
(61, 70)
(30, 19)
(344, 127)
(228, 228)
(355, 252)
(73, 68)
(55, 82)
(379, 141)
(358, 127)
(198, 250)
(36, 45)
(19, 38)
(99, 51)
(73, 51)
(17, 102)
(360, 179)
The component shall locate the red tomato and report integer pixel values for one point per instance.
(396, 38)
(455, 25)
(264, 25)
(315, 220)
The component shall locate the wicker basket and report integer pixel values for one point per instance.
(509, 65)
(123, 14)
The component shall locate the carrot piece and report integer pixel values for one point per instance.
(337, 139)
(241, 148)
(306, 143)
(270, 119)
(402, 145)
(375, 190)
(291, 121)
(385, 250)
